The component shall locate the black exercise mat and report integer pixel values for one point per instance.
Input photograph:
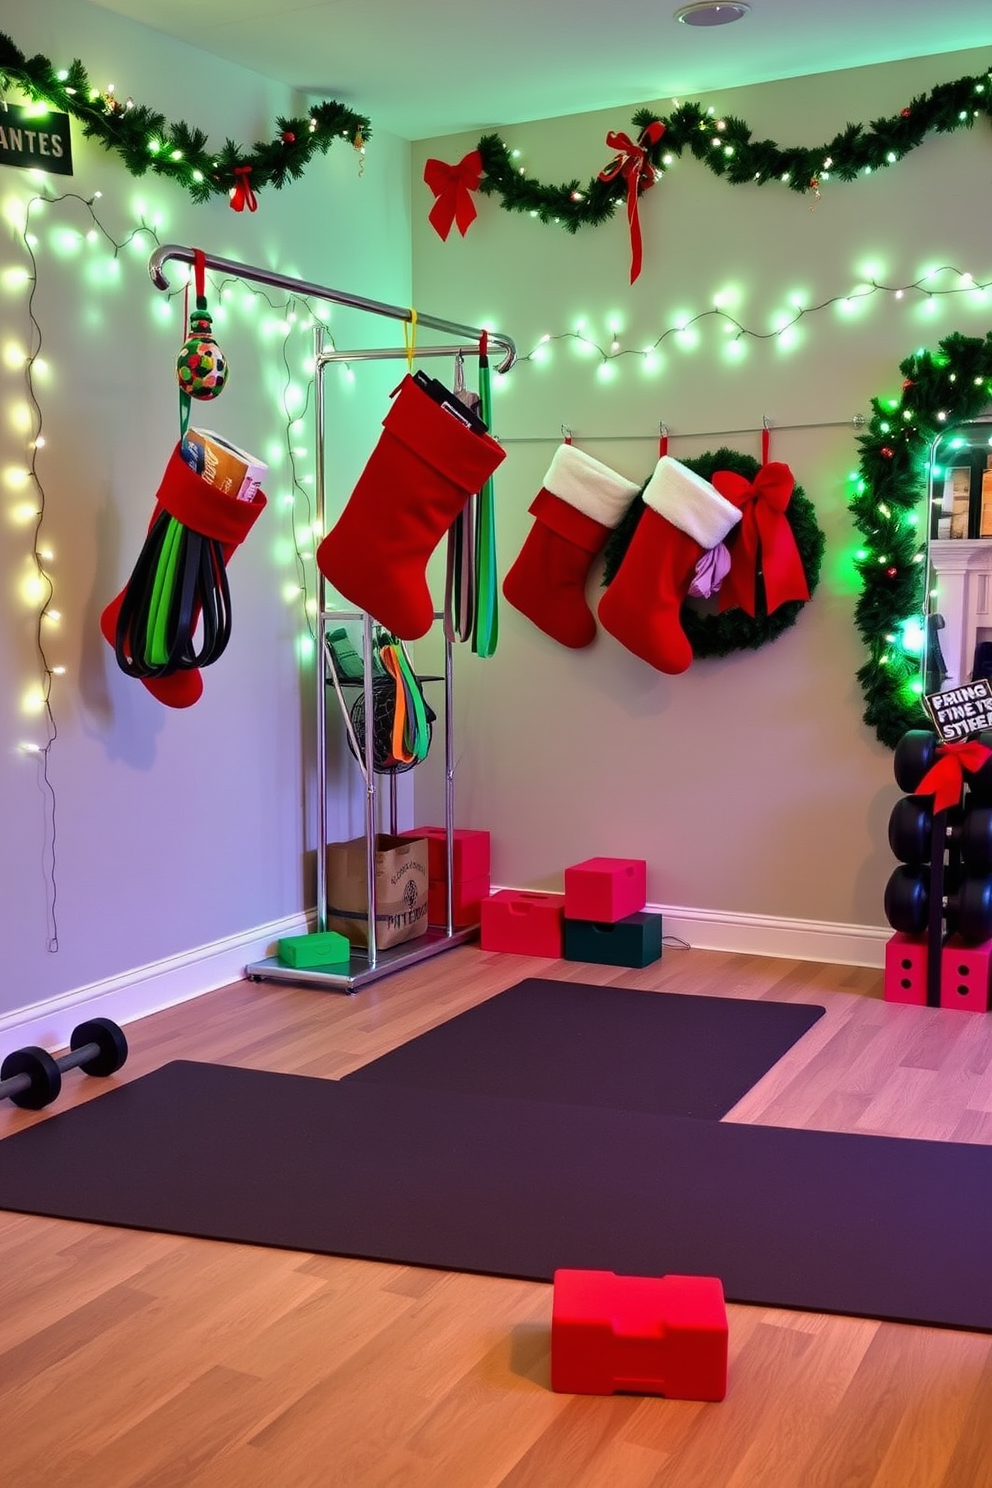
(583, 1045)
(817, 1221)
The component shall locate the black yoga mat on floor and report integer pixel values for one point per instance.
(811, 1220)
(584, 1045)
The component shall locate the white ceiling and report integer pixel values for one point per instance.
(420, 68)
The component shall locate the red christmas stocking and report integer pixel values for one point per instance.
(576, 509)
(684, 517)
(422, 471)
(213, 514)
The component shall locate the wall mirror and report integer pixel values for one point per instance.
(958, 641)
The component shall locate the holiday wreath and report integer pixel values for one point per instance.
(709, 633)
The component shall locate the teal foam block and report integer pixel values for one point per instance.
(633, 941)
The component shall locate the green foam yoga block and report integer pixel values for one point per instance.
(634, 941)
(323, 948)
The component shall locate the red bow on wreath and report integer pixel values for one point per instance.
(453, 186)
(945, 779)
(633, 164)
(242, 196)
(764, 534)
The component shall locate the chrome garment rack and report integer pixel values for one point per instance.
(364, 965)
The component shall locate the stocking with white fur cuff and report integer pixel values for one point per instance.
(578, 506)
(684, 517)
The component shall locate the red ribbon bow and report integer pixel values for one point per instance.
(453, 186)
(242, 196)
(764, 534)
(945, 779)
(633, 164)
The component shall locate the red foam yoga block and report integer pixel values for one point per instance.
(523, 923)
(648, 1335)
(906, 969)
(605, 889)
(466, 900)
(470, 852)
(964, 975)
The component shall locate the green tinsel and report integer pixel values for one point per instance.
(726, 146)
(711, 634)
(147, 141)
(940, 389)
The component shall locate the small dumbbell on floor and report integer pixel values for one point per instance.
(32, 1078)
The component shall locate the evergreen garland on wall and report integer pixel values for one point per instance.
(727, 147)
(147, 141)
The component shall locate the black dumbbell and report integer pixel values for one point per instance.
(32, 1077)
(968, 908)
(917, 751)
(911, 833)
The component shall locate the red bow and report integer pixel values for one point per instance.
(764, 534)
(242, 196)
(453, 186)
(945, 779)
(633, 164)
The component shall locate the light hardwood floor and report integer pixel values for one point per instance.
(165, 1362)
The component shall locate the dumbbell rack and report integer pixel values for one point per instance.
(939, 899)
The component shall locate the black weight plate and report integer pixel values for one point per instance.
(915, 753)
(110, 1041)
(980, 783)
(976, 840)
(973, 910)
(43, 1072)
(911, 829)
(907, 900)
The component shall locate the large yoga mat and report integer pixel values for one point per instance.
(811, 1220)
(584, 1045)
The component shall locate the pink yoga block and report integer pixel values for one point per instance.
(906, 969)
(964, 975)
(647, 1335)
(605, 889)
(522, 923)
(470, 852)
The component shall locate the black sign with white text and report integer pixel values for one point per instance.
(32, 140)
(960, 712)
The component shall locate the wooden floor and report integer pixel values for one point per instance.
(154, 1360)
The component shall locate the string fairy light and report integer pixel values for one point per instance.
(39, 588)
(738, 331)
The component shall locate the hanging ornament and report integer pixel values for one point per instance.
(241, 194)
(201, 367)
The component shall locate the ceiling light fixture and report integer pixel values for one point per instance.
(709, 14)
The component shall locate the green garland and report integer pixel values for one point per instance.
(726, 146)
(146, 140)
(711, 634)
(940, 389)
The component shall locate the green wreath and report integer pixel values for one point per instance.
(711, 634)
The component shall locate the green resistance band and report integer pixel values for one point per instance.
(485, 634)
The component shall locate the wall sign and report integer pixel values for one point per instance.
(960, 712)
(35, 141)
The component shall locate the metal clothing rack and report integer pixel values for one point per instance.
(365, 965)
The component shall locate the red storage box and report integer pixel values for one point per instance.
(605, 889)
(650, 1335)
(466, 901)
(522, 923)
(470, 852)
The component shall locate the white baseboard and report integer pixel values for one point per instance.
(162, 984)
(767, 935)
(145, 989)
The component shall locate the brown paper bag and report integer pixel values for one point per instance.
(401, 889)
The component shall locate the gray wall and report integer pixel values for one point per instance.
(175, 830)
(750, 784)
